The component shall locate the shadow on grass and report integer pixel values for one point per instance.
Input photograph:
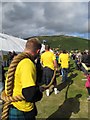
(65, 84)
(73, 75)
(61, 86)
(69, 106)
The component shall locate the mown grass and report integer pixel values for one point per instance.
(66, 104)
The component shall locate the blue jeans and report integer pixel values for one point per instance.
(64, 72)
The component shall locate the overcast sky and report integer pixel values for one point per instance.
(25, 18)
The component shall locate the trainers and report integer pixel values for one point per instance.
(56, 91)
(47, 92)
(88, 98)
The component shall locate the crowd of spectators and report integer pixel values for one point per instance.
(62, 58)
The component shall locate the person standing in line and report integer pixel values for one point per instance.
(49, 63)
(25, 84)
(64, 61)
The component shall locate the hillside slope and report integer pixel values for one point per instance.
(65, 42)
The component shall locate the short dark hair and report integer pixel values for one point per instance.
(47, 47)
(64, 51)
(33, 44)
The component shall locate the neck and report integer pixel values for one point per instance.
(29, 52)
(46, 50)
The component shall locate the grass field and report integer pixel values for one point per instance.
(71, 102)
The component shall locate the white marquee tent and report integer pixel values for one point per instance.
(10, 43)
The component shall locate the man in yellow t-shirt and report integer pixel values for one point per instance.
(64, 61)
(25, 84)
(48, 61)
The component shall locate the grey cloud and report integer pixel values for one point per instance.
(66, 16)
(0, 17)
(41, 18)
(45, 0)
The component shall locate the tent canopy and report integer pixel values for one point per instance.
(10, 43)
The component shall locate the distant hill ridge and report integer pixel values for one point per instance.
(65, 42)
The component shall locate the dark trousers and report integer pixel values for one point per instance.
(88, 89)
(47, 75)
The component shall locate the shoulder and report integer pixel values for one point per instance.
(50, 53)
(25, 61)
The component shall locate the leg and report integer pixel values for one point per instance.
(49, 75)
(66, 74)
(44, 76)
(88, 89)
(63, 74)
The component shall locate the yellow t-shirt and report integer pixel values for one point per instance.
(25, 76)
(47, 59)
(64, 59)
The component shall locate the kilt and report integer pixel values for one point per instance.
(15, 114)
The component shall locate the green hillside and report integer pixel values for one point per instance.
(66, 42)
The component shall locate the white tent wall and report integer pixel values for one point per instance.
(10, 43)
